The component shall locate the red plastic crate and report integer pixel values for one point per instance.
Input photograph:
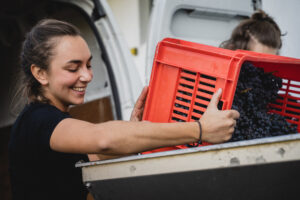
(186, 74)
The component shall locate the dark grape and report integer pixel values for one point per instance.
(255, 90)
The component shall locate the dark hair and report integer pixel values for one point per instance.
(38, 49)
(260, 26)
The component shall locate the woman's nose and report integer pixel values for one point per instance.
(86, 75)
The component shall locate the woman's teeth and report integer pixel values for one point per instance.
(79, 89)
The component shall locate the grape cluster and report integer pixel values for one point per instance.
(255, 90)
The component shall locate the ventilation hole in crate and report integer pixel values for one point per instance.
(198, 111)
(177, 119)
(292, 112)
(200, 105)
(208, 77)
(207, 84)
(181, 106)
(295, 82)
(188, 79)
(203, 98)
(220, 105)
(293, 100)
(280, 97)
(280, 92)
(293, 106)
(205, 91)
(183, 99)
(294, 89)
(195, 118)
(185, 93)
(277, 103)
(189, 72)
(276, 109)
(187, 86)
(179, 113)
(292, 118)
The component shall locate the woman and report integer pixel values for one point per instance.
(46, 142)
(260, 33)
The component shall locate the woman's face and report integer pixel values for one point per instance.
(256, 46)
(69, 72)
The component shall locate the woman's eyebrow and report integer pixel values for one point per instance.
(79, 61)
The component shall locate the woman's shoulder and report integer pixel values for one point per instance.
(41, 112)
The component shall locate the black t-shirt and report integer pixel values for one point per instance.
(38, 172)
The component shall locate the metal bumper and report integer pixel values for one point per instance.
(267, 168)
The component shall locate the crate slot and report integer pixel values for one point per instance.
(205, 91)
(293, 112)
(181, 106)
(189, 72)
(196, 115)
(188, 79)
(208, 77)
(185, 93)
(198, 111)
(182, 103)
(195, 118)
(202, 98)
(180, 95)
(181, 110)
(180, 113)
(208, 88)
(295, 89)
(177, 119)
(183, 99)
(188, 75)
(275, 109)
(207, 84)
(291, 118)
(186, 83)
(293, 106)
(181, 88)
(202, 109)
(277, 102)
(201, 105)
(295, 83)
(186, 86)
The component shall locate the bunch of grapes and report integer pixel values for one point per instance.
(255, 90)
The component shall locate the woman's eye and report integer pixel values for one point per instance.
(72, 70)
(89, 66)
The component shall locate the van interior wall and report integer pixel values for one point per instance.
(16, 18)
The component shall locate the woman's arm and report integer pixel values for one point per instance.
(123, 137)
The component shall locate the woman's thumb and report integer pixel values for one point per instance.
(215, 99)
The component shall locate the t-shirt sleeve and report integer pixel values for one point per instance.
(46, 119)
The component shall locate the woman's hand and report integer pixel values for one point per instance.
(218, 125)
(138, 109)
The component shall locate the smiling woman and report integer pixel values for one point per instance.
(46, 142)
(65, 82)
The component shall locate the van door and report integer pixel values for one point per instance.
(124, 83)
(204, 21)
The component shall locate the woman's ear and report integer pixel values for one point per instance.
(39, 74)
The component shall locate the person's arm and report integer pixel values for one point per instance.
(123, 137)
(136, 115)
